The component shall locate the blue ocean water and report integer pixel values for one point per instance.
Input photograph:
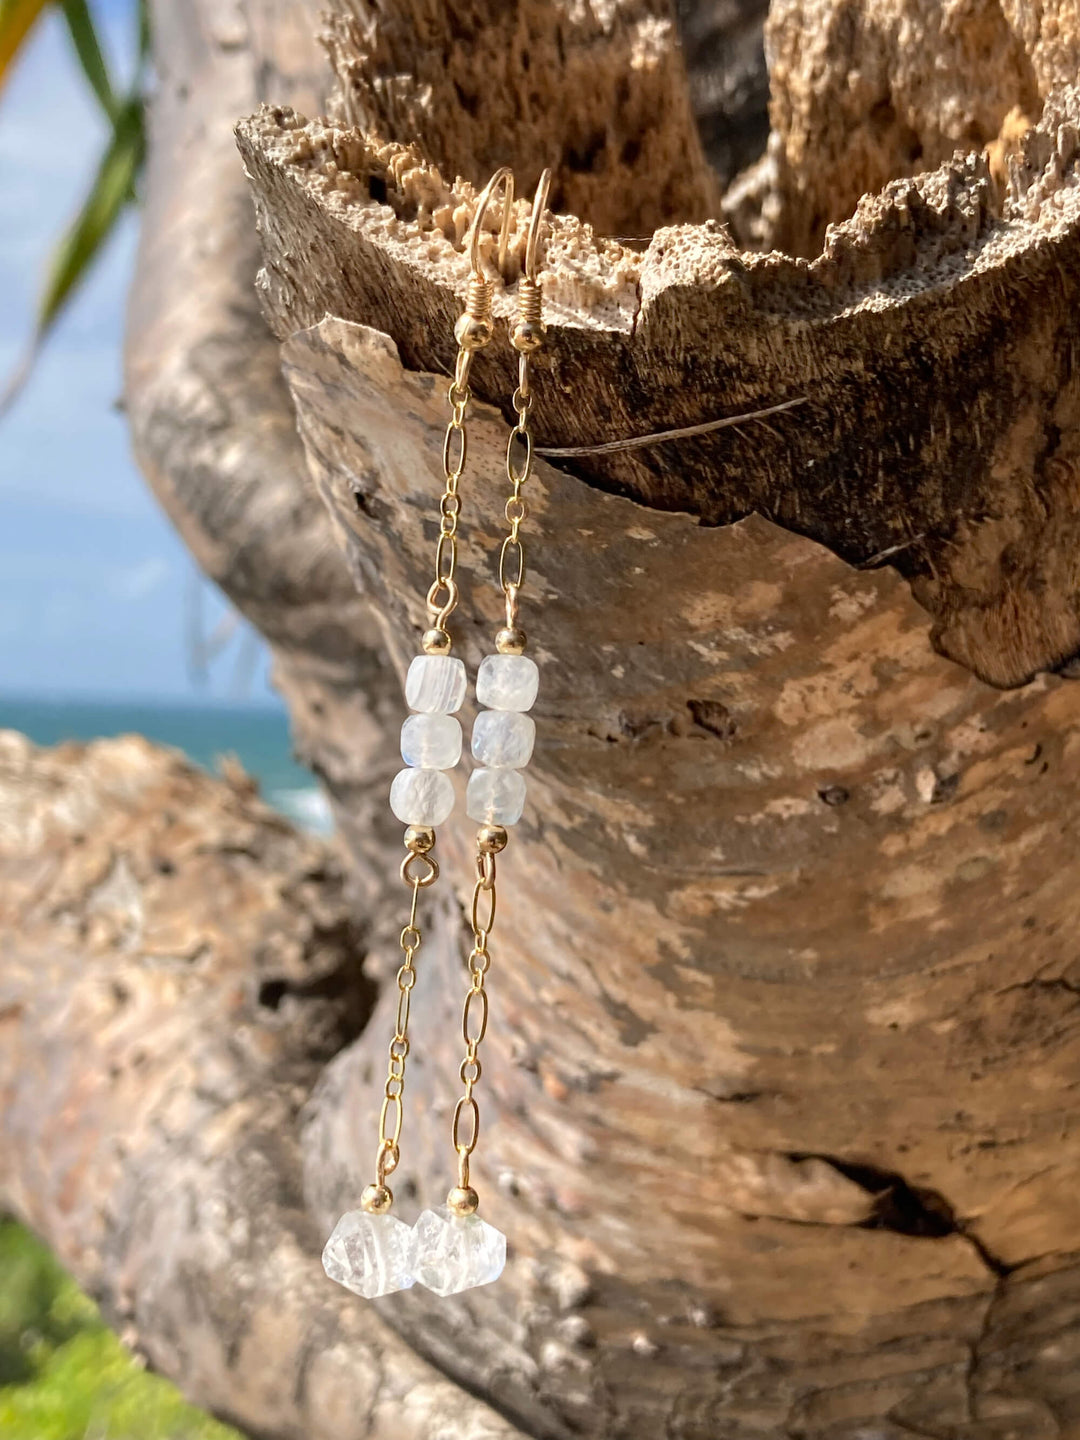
(258, 735)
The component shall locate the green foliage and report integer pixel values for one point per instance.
(115, 184)
(84, 38)
(63, 1374)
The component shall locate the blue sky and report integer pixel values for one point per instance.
(93, 580)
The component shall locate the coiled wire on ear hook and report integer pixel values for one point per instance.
(474, 329)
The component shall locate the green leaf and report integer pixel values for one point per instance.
(84, 38)
(112, 189)
(16, 20)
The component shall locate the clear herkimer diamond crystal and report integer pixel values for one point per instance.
(370, 1254)
(453, 1253)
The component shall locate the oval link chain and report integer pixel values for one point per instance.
(390, 1116)
(527, 337)
(419, 869)
(519, 464)
(474, 1016)
(442, 596)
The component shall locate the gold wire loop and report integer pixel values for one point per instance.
(504, 178)
(427, 863)
(441, 612)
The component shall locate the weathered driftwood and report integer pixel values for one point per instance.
(780, 1103)
(177, 967)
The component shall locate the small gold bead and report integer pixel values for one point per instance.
(376, 1199)
(473, 332)
(490, 839)
(510, 640)
(528, 336)
(436, 641)
(462, 1200)
(419, 839)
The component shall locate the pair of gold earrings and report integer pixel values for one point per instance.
(450, 1249)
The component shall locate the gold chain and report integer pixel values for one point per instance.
(419, 868)
(442, 596)
(519, 457)
(474, 1017)
(473, 331)
(527, 337)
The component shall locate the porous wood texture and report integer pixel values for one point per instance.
(940, 417)
(779, 1094)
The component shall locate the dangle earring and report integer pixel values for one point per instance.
(453, 1249)
(371, 1250)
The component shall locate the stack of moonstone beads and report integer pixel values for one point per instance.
(502, 738)
(422, 793)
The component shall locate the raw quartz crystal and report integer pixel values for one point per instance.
(370, 1254)
(451, 1253)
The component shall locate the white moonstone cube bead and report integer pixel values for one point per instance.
(431, 741)
(503, 738)
(495, 797)
(452, 1253)
(421, 797)
(370, 1254)
(507, 682)
(435, 684)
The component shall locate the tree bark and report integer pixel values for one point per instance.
(780, 1097)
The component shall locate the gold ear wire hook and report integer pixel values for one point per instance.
(532, 244)
(504, 177)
